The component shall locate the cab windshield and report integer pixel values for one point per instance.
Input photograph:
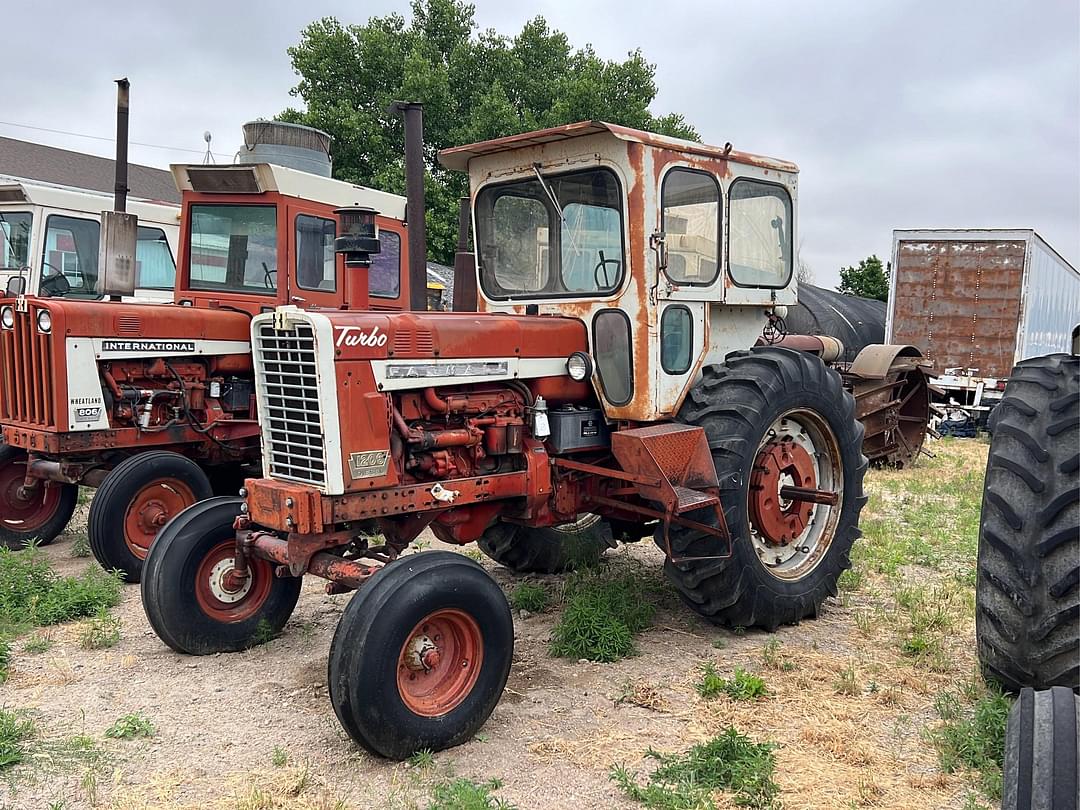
(234, 248)
(15, 239)
(551, 236)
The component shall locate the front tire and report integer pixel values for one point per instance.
(421, 655)
(188, 596)
(135, 501)
(1042, 751)
(548, 550)
(1027, 594)
(773, 417)
(38, 519)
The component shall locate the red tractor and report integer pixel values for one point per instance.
(155, 404)
(623, 279)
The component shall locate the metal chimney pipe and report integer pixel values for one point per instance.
(120, 190)
(414, 193)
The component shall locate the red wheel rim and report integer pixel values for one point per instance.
(780, 462)
(21, 514)
(440, 662)
(224, 597)
(150, 509)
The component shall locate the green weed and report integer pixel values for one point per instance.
(129, 727)
(773, 658)
(264, 633)
(100, 632)
(38, 643)
(15, 729)
(531, 597)
(5, 659)
(280, 757)
(742, 685)
(712, 682)
(847, 683)
(80, 547)
(423, 760)
(729, 762)
(464, 794)
(32, 595)
(972, 736)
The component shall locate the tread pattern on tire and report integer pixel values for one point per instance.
(548, 550)
(1042, 751)
(728, 404)
(1028, 579)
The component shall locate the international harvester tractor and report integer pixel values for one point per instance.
(155, 404)
(623, 280)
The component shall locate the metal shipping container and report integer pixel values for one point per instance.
(978, 301)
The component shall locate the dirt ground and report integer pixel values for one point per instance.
(551, 742)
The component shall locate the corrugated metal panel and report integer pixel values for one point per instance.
(1051, 306)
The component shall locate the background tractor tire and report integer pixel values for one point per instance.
(39, 520)
(138, 497)
(550, 550)
(1027, 591)
(738, 403)
(394, 703)
(1041, 751)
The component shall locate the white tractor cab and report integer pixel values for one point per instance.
(673, 253)
(50, 237)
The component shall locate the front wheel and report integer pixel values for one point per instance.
(192, 597)
(421, 655)
(37, 516)
(774, 418)
(135, 501)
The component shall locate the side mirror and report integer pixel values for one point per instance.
(16, 286)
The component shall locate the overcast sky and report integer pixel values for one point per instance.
(899, 114)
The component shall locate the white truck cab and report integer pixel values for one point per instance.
(50, 237)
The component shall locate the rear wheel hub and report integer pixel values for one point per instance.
(23, 509)
(779, 464)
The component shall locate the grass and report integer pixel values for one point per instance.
(80, 546)
(130, 727)
(531, 597)
(37, 644)
(605, 609)
(773, 657)
(972, 736)
(847, 682)
(15, 729)
(5, 659)
(33, 595)
(280, 757)
(264, 633)
(100, 632)
(742, 685)
(464, 794)
(729, 762)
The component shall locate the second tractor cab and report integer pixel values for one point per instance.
(155, 404)
(624, 279)
(50, 241)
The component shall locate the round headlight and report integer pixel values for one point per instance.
(7, 317)
(579, 366)
(44, 321)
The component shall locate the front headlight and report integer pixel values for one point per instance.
(579, 366)
(44, 321)
(7, 317)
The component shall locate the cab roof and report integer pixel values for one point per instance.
(458, 157)
(17, 192)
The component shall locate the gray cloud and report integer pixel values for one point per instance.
(899, 114)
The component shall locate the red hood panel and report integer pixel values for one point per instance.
(143, 320)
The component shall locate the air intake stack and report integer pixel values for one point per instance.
(292, 145)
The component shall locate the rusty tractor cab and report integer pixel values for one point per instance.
(155, 404)
(623, 280)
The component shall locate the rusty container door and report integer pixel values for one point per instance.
(958, 301)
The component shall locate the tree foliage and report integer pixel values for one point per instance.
(474, 85)
(870, 279)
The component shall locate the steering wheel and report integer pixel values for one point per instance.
(55, 284)
(601, 267)
(268, 277)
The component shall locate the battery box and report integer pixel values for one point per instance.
(577, 428)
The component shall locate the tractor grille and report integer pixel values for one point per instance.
(293, 438)
(26, 373)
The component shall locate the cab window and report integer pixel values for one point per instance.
(70, 261)
(316, 262)
(234, 248)
(384, 277)
(154, 265)
(759, 234)
(691, 204)
(15, 239)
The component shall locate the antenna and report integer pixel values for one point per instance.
(209, 156)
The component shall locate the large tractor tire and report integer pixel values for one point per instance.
(1027, 594)
(549, 550)
(138, 497)
(35, 519)
(421, 655)
(192, 600)
(773, 417)
(1042, 751)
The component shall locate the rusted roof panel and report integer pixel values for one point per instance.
(458, 157)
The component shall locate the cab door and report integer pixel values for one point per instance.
(313, 269)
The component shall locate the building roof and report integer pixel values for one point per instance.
(34, 161)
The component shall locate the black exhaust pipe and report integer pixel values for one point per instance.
(414, 193)
(120, 189)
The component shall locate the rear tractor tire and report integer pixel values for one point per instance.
(773, 417)
(550, 550)
(138, 497)
(38, 518)
(421, 655)
(190, 599)
(1027, 591)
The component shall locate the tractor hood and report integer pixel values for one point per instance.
(143, 325)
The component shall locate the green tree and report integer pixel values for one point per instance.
(474, 85)
(869, 280)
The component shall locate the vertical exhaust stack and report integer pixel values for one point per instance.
(414, 193)
(120, 189)
(117, 267)
(464, 262)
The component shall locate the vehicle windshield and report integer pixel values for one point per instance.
(15, 239)
(234, 248)
(552, 236)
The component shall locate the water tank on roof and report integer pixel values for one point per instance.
(291, 145)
